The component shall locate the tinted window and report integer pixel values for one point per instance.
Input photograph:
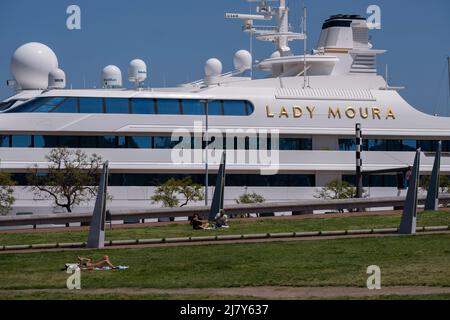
(193, 107)
(168, 106)
(49, 105)
(70, 105)
(164, 143)
(88, 142)
(31, 105)
(234, 108)
(143, 106)
(68, 142)
(119, 106)
(4, 141)
(22, 141)
(122, 142)
(107, 142)
(91, 105)
(6, 105)
(46, 142)
(139, 142)
(215, 108)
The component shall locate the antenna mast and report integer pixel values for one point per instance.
(305, 49)
(448, 58)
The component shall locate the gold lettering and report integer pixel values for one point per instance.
(376, 113)
(390, 114)
(311, 111)
(297, 111)
(350, 112)
(284, 112)
(364, 114)
(269, 114)
(333, 113)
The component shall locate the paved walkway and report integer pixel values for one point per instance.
(256, 292)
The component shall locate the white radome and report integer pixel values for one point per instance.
(137, 71)
(31, 65)
(57, 79)
(111, 77)
(213, 68)
(242, 60)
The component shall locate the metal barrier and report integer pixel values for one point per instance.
(300, 206)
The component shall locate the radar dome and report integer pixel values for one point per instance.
(213, 68)
(111, 77)
(31, 65)
(57, 79)
(242, 60)
(137, 71)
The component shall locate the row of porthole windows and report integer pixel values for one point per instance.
(232, 180)
(141, 142)
(393, 145)
(147, 106)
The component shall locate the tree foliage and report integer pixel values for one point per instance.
(444, 183)
(170, 193)
(336, 189)
(249, 198)
(6, 193)
(71, 178)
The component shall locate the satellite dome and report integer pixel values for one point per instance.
(137, 71)
(213, 68)
(57, 79)
(111, 77)
(242, 60)
(31, 65)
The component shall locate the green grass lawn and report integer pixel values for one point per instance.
(249, 226)
(404, 261)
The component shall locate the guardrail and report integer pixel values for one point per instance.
(262, 208)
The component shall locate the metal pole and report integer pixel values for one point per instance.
(359, 178)
(206, 150)
(448, 74)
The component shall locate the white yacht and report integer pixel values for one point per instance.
(301, 119)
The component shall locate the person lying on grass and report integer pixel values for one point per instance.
(86, 263)
(198, 224)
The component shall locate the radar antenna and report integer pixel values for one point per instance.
(279, 34)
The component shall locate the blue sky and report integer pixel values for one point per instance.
(176, 38)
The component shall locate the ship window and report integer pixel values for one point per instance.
(168, 106)
(117, 106)
(121, 142)
(235, 108)
(30, 106)
(193, 107)
(295, 144)
(49, 105)
(4, 142)
(107, 142)
(87, 142)
(91, 105)
(409, 145)
(139, 142)
(69, 142)
(22, 142)
(46, 142)
(215, 108)
(428, 145)
(164, 142)
(6, 105)
(70, 105)
(143, 106)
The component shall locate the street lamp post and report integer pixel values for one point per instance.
(206, 102)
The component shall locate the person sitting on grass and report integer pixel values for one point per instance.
(86, 263)
(221, 220)
(198, 224)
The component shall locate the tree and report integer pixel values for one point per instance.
(336, 189)
(444, 183)
(171, 191)
(72, 178)
(249, 198)
(6, 193)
